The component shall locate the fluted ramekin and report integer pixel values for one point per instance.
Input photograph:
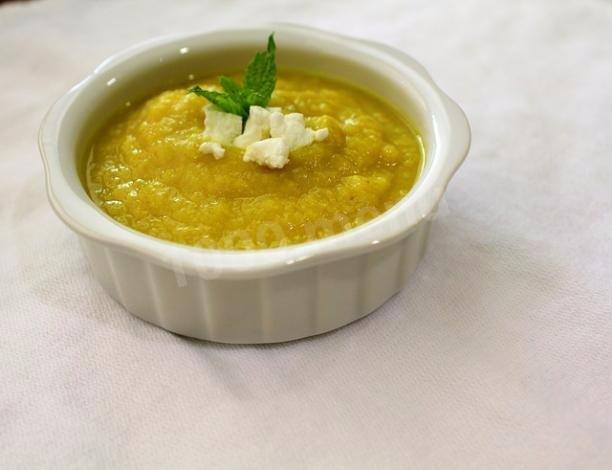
(257, 296)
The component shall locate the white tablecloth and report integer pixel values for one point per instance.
(498, 354)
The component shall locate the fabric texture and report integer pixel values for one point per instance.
(497, 354)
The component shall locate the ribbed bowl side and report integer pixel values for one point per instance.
(283, 307)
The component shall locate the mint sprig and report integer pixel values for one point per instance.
(259, 83)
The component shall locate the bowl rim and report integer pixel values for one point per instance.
(451, 135)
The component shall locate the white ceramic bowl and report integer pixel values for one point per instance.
(257, 296)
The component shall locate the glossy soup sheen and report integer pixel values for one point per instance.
(145, 169)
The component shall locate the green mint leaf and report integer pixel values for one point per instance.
(260, 75)
(254, 98)
(231, 87)
(235, 91)
(222, 100)
(271, 44)
(259, 83)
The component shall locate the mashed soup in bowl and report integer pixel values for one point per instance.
(146, 170)
(264, 205)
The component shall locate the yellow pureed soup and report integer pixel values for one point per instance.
(146, 171)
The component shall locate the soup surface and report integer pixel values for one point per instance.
(146, 171)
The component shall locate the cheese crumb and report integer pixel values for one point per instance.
(277, 124)
(268, 137)
(273, 153)
(257, 127)
(292, 128)
(213, 148)
(321, 134)
(221, 127)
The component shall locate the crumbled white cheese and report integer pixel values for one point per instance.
(257, 127)
(292, 128)
(321, 134)
(268, 135)
(273, 153)
(277, 124)
(221, 127)
(213, 148)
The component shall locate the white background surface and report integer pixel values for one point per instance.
(498, 354)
